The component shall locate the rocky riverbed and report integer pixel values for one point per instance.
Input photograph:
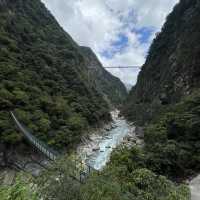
(97, 149)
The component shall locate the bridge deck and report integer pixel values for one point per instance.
(42, 147)
(80, 175)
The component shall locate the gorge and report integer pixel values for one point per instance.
(47, 81)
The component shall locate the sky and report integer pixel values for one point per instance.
(118, 31)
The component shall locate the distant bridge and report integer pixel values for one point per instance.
(123, 67)
(118, 67)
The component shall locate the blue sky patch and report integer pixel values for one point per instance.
(145, 33)
(121, 42)
(118, 46)
(107, 54)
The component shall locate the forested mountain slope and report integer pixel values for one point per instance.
(172, 68)
(166, 99)
(44, 77)
(110, 87)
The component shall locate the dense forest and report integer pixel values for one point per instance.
(47, 83)
(44, 78)
(166, 98)
(171, 70)
(116, 182)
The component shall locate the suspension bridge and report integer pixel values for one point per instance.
(42, 147)
(118, 67)
(50, 153)
(123, 67)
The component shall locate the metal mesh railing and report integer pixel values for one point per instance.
(42, 147)
(80, 174)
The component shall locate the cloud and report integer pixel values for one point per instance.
(119, 32)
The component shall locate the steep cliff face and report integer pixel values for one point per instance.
(44, 77)
(112, 89)
(172, 68)
(166, 99)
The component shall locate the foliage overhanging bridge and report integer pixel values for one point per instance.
(48, 152)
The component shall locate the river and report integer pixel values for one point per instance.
(98, 149)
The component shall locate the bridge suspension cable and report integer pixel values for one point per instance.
(117, 67)
(122, 67)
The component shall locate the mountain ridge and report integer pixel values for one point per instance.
(171, 70)
(109, 86)
(166, 98)
(44, 78)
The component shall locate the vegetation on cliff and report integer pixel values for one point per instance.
(44, 78)
(166, 97)
(116, 182)
(46, 82)
(171, 70)
(111, 88)
(172, 141)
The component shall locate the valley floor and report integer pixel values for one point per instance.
(98, 148)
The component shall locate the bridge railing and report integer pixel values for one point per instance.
(42, 147)
(80, 175)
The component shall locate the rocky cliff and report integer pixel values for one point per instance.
(112, 89)
(166, 99)
(172, 68)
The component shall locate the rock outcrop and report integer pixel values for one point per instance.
(112, 89)
(172, 68)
